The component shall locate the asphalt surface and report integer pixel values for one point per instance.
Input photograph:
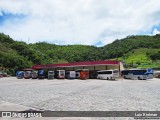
(80, 95)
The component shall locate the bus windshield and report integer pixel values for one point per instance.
(62, 73)
(105, 72)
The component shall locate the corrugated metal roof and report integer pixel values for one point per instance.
(88, 63)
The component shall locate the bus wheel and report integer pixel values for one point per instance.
(107, 78)
(139, 78)
(125, 77)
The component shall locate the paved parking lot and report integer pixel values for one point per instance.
(80, 95)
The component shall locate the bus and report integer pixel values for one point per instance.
(108, 74)
(70, 74)
(41, 74)
(27, 74)
(82, 74)
(60, 74)
(50, 74)
(34, 74)
(140, 74)
(19, 74)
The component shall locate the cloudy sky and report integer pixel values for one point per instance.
(88, 22)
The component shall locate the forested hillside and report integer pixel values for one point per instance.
(135, 51)
(120, 47)
(69, 53)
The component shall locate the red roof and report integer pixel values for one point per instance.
(89, 63)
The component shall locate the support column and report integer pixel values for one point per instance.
(119, 69)
(106, 67)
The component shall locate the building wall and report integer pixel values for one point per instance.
(76, 68)
(69, 68)
(121, 66)
(100, 67)
(89, 67)
(60, 68)
(113, 67)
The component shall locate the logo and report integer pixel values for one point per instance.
(6, 114)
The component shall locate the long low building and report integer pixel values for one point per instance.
(92, 66)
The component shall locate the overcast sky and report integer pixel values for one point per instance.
(88, 22)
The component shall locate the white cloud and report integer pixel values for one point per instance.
(155, 31)
(79, 21)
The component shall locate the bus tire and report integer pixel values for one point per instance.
(107, 78)
(125, 77)
(139, 78)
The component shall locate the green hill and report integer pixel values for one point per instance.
(120, 47)
(69, 53)
(140, 58)
(134, 51)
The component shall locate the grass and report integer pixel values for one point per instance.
(140, 58)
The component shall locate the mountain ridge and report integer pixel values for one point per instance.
(16, 55)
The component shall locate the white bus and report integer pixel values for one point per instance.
(140, 74)
(60, 74)
(70, 74)
(108, 74)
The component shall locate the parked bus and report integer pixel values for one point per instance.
(50, 74)
(27, 74)
(140, 74)
(60, 74)
(40, 74)
(34, 74)
(82, 74)
(70, 74)
(19, 74)
(108, 74)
